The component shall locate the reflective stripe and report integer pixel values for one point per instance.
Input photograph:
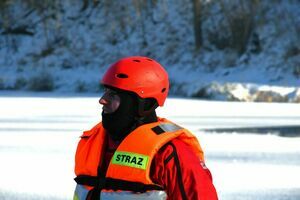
(169, 127)
(80, 192)
(125, 195)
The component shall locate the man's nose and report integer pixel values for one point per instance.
(103, 101)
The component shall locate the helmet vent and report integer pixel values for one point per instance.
(122, 75)
(163, 90)
(149, 59)
(136, 60)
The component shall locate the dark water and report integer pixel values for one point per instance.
(280, 194)
(285, 131)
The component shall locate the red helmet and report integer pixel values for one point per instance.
(141, 75)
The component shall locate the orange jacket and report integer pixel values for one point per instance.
(132, 160)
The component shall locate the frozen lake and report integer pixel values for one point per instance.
(39, 136)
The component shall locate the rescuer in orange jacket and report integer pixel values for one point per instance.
(132, 153)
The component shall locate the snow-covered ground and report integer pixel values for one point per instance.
(39, 136)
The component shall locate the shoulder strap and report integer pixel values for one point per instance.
(114, 184)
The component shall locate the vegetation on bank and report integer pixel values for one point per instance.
(42, 41)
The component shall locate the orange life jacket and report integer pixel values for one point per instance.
(130, 165)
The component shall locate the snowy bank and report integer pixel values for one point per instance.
(248, 92)
(65, 46)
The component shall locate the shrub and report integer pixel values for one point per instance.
(269, 96)
(20, 83)
(81, 86)
(236, 28)
(296, 70)
(42, 81)
(2, 87)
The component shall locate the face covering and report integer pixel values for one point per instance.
(122, 121)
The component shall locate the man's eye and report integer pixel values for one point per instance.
(112, 92)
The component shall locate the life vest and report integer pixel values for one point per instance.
(128, 174)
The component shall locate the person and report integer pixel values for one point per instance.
(132, 153)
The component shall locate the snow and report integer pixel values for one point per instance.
(39, 134)
(39, 131)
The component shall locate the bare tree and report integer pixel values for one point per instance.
(197, 23)
(241, 21)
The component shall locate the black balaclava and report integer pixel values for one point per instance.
(126, 118)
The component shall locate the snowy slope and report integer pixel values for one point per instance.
(71, 47)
